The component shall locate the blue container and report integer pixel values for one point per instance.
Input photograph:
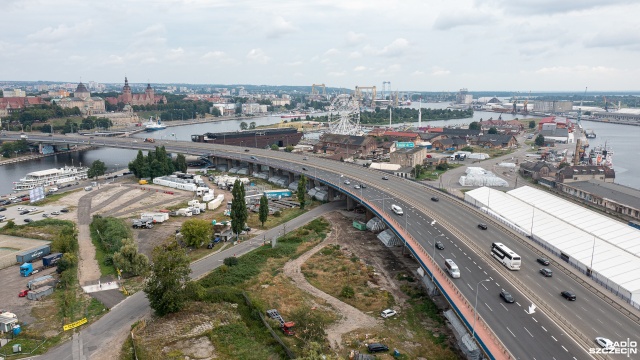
(30, 255)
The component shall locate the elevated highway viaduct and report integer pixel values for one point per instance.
(555, 329)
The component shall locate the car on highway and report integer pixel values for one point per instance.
(377, 347)
(604, 342)
(543, 261)
(439, 245)
(254, 158)
(27, 220)
(385, 178)
(347, 182)
(546, 272)
(356, 186)
(569, 295)
(482, 226)
(435, 198)
(388, 313)
(363, 186)
(305, 158)
(507, 296)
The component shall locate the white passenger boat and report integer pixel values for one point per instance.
(51, 177)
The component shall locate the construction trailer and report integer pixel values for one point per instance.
(40, 293)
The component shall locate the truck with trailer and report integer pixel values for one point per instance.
(33, 254)
(51, 260)
(40, 293)
(36, 283)
(142, 224)
(155, 217)
(27, 269)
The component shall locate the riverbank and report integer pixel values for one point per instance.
(40, 156)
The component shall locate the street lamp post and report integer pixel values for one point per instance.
(475, 309)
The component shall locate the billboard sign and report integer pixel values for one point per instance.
(403, 145)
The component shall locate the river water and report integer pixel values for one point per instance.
(622, 138)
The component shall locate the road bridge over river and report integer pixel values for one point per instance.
(556, 329)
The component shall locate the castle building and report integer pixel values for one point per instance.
(88, 105)
(147, 98)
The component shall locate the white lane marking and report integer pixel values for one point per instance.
(485, 273)
(565, 349)
(469, 257)
(474, 263)
(504, 307)
(469, 286)
(554, 338)
(488, 307)
(454, 255)
(479, 267)
(517, 303)
(514, 335)
(534, 319)
(491, 278)
(465, 254)
(418, 223)
(484, 286)
(543, 328)
(419, 233)
(525, 329)
(467, 268)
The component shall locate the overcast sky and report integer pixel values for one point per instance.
(429, 45)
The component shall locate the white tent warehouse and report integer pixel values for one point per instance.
(606, 249)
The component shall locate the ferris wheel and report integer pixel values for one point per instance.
(344, 116)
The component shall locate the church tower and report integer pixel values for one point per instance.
(126, 92)
(149, 94)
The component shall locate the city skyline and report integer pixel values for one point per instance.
(494, 45)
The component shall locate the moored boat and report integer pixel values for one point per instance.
(51, 177)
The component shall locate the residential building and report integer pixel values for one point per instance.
(537, 170)
(495, 141)
(449, 144)
(9, 105)
(612, 198)
(14, 93)
(408, 156)
(552, 107)
(570, 174)
(345, 144)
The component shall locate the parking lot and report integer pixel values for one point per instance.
(24, 213)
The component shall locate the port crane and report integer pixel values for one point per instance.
(580, 108)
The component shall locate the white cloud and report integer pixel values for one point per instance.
(294, 63)
(152, 31)
(214, 55)
(396, 48)
(448, 21)
(438, 71)
(360, 68)
(354, 38)
(354, 55)
(279, 27)
(337, 73)
(258, 56)
(417, 73)
(332, 52)
(175, 54)
(578, 69)
(60, 33)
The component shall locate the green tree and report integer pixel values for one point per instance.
(275, 147)
(263, 211)
(492, 130)
(243, 126)
(252, 125)
(467, 148)
(195, 232)
(180, 164)
(474, 125)
(230, 261)
(302, 189)
(417, 170)
(67, 261)
(165, 288)
(98, 168)
(239, 213)
(532, 124)
(539, 140)
(129, 260)
(289, 148)
(65, 241)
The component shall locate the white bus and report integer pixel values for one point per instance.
(452, 268)
(507, 257)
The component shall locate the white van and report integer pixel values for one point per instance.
(452, 268)
(396, 209)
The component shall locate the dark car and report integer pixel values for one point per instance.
(482, 226)
(377, 347)
(385, 178)
(246, 150)
(27, 220)
(506, 296)
(64, 210)
(24, 212)
(543, 261)
(569, 295)
(439, 245)
(363, 186)
(304, 169)
(435, 198)
(3, 209)
(546, 272)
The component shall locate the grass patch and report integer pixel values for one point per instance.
(101, 257)
(347, 278)
(45, 229)
(54, 197)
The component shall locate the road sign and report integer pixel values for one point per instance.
(401, 145)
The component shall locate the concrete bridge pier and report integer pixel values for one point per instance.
(311, 183)
(229, 164)
(271, 172)
(292, 177)
(368, 215)
(350, 203)
(250, 169)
